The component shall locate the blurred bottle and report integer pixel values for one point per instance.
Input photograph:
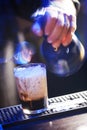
(66, 60)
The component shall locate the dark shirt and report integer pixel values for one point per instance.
(25, 8)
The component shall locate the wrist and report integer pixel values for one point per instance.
(66, 6)
(76, 3)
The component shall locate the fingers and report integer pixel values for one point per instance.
(59, 27)
(45, 23)
(51, 19)
(56, 30)
(50, 24)
(60, 30)
(70, 32)
(37, 30)
(63, 31)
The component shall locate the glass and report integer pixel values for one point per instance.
(31, 83)
(66, 60)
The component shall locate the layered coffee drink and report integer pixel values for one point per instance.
(31, 83)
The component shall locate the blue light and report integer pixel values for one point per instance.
(24, 52)
(45, 3)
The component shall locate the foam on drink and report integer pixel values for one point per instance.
(31, 82)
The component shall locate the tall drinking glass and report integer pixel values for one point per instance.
(31, 83)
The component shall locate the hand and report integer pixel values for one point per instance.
(59, 26)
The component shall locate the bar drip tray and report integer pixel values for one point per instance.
(60, 106)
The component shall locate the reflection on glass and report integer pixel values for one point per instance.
(66, 60)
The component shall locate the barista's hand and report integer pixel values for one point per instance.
(59, 26)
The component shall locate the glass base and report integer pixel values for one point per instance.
(30, 112)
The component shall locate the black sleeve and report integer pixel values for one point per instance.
(25, 8)
(77, 5)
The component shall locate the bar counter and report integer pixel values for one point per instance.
(78, 122)
(65, 112)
